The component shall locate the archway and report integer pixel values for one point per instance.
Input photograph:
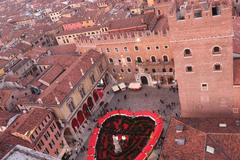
(90, 103)
(80, 117)
(75, 124)
(69, 137)
(95, 96)
(86, 111)
(144, 80)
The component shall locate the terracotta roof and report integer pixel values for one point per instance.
(35, 52)
(4, 117)
(61, 88)
(200, 133)
(63, 60)
(8, 142)
(3, 63)
(29, 121)
(52, 73)
(63, 49)
(5, 95)
(80, 30)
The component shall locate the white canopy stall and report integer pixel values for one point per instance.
(115, 88)
(134, 86)
(122, 86)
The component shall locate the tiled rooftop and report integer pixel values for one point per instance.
(220, 133)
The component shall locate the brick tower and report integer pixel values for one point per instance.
(201, 35)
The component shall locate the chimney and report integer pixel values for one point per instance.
(56, 99)
(70, 84)
(92, 61)
(82, 72)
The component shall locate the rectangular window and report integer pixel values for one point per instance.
(46, 137)
(204, 87)
(46, 151)
(197, 13)
(92, 79)
(51, 128)
(54, 126)
(53, 143)
(100, 68)
(56, 136)
(70, 106)
(189, 69)
(82, 91)
(41, 143)
(216, 11)
(50, 145)
(39, 146)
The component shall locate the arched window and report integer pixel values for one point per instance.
(170, 70)
(90, 103)
(217, 67)
(216, 50)
(187, 53)
(153, 59)
(164, 70)
(80, 117)
(153, 70)
(110, 60)
(129, 59)
(136, 48)
(165, 58)
(95, 95)
(75, 124)
(139, 60)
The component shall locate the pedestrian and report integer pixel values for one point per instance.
(125, 96)
(162, 101)
(145, 94)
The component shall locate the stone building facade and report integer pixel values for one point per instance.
(194, 44)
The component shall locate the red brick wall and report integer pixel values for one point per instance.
(200, 35)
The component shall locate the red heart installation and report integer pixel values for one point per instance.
(125, 135)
